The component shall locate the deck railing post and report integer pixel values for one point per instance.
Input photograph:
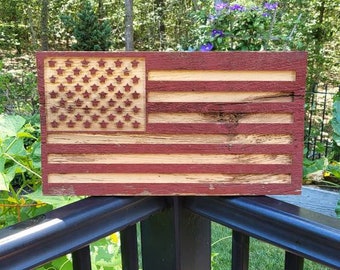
(240, 251)
(176, 239)
(293, 262)
(81, 259)
(129, 250)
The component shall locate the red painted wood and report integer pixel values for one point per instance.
(174, 189)
(243, 61)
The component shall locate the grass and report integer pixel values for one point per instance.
(262, 255)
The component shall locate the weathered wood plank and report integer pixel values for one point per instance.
(134, 123)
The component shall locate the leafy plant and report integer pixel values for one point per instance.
(90, 33)
(232, 26)
(18, 87)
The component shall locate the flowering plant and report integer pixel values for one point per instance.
(232, 26)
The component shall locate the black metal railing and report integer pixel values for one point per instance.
(175, 232)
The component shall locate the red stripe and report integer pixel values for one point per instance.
(210, 189)
(153, 107)
(231, 61)
(223, 128)
(169, 149)
(172, 168)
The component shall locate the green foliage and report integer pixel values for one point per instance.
(90, 33)
(18, 86)
(20, 171)
(231, 26)
(335, 122)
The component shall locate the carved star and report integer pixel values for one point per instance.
(111, 87)
(52, 63)
(127, 103)
(79, 102)
(103, 109)
(53, 79)
(119, 95)
(136, 109)
(54, 124)
(134, 63)
(71, 124)
(87, 124)
(85, 63)
(102, 95)
(95, 117)
(62, 117)
(60, 71)
(69, 79)
(87, 109)
(68, 63)
(135, 124)
(70, 109)
(86, 94)
(94, 87)
(126, 72)
(54, 109)
(118, 63)
(76, 71)
(119, 124)
(93, 71)
(70, 94)
(119, 110)
(78, 87)
(127, 88)
(102, 79)
(103, 124)
(62, 103)
(135, 95)
(135, 80)
(86, 79)
(78, 117)
(119, 79)
(95, 102)
(127, 117)
(111, 117)
(61, 87)
(53, 94)
(109, 71)
(111, 102)
(101, 63)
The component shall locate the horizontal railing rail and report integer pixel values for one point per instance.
(299, 231)
(70, 229)
(33, 242)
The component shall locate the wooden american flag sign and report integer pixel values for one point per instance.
(172, 123)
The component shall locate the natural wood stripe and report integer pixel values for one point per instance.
(168, 159)
(117, 139)
(284, 118)
(154, 178)
(221, 75)
(231, 97)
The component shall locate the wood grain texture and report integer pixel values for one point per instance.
(152, 123)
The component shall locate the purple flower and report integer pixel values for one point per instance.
(237, 7)
(217, 33)
(221, 6)
(265, 14)
(271, 6)
(206, 47)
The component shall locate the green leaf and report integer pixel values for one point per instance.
(55, 201)
(6, 177)
(15, 147)
(10, 125)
